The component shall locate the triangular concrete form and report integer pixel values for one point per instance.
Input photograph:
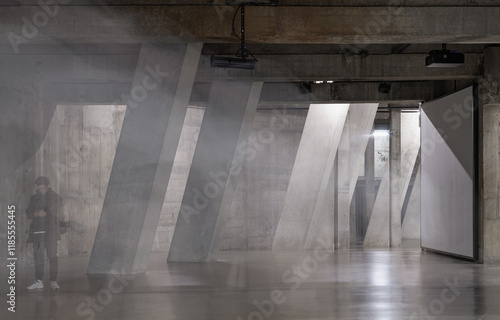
(354, 140)
(411, 222)
(377, 234)
(314, 161)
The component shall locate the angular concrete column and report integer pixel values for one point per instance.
(377, 233)
(238, 159)
(362, 117)
(324, 215)
(313, 164)
(159, 96)
(386, 215)
(410, 146)
(342, 208)
(411, 221)
(339, 188)
(219, 154)
(395, 179)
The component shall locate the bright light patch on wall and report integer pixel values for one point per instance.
(381, 133)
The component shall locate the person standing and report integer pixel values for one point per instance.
(44, 209)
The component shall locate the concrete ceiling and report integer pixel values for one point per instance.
(332, 3)
(351, 42)
(282, 24)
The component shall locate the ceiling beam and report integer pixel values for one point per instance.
(68, 68)
(352, 92)
(264, 24)
(271, 68)
(287, 95)
(337, 67)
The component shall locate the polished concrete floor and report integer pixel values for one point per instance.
(350, 284)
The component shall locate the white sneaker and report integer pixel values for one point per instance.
(38, 284)
(54, 285)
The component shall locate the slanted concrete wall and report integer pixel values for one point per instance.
(318, 143)
(411, 222)
(410, 145)
(351, 154)
(377, 233)
(178, 179)
(263, 181)
(144, 157)
(220, 152)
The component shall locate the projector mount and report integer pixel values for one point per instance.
(241, 61)
(444, 58)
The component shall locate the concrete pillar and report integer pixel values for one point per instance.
(410, 145)
(311, 174)
(489, 213)
(355, 222)
(395, 179)
(239, 158)
(325, 209)
(362, 117)
(160, 93)
(219, 154)
(377, 233)
(342, 208)
(489, 159)
(411, 221)
(371, 191)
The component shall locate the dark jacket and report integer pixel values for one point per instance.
(51, 203)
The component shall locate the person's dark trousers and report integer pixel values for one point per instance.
(40, 245)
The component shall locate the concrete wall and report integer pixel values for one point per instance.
(76, 154)
(262, 184)
(381, 154)
(260, 187)
(78, 151)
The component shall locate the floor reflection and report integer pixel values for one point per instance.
(350, 284)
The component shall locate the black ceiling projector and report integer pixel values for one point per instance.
(444, 58)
